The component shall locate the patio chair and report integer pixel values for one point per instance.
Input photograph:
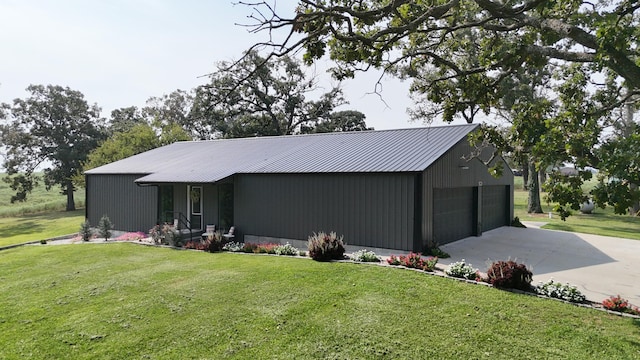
(230, 235)
(209, 231)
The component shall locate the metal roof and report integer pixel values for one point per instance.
(403, 150)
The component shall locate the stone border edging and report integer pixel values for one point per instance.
(6, 247)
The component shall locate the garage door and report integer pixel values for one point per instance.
(494, 207)
(453, 214)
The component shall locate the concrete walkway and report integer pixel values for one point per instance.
(599, 266)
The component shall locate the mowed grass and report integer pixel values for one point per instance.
(16, 230)
(599, 222)
(119, 301)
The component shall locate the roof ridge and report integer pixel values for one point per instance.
(334, 133)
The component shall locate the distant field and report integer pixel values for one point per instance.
(39, 201)
(600, 222)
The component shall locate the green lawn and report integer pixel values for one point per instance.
(600, 222)
(16, 230)
(118, 301)
(38, 201)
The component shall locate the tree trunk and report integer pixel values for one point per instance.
(71, 204)
(525, 176)
(634, 209)
(533, 203)
(542, 176)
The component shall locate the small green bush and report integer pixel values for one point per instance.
(85, 231)
(517, 223)
(560, 291)
(104, 227)
(365, 256)
(460, 269)
(509, 274)
(325, 247)
(436, 251)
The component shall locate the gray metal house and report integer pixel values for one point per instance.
(395, 189)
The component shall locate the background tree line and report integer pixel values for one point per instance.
(55, 130)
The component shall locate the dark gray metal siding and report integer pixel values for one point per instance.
(453, 214)
(129, 206)
(495, 202)
(452, 171)
(375, 210)
(210, 205)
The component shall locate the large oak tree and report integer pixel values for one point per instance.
(53, 129)
(463, 56)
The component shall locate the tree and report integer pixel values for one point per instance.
(340, 121)
(54, 128)
(461, 55)
(262, 97)
(137, 139)
(178, 108)
(124, 119)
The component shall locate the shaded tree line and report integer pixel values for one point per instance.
(56, 130)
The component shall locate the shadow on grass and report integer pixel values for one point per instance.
(22, 228)
(33, 224)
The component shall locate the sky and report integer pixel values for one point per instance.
(119, 53)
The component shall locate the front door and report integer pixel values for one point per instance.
(194, 201)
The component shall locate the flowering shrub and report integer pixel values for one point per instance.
(324, 247)
(164, 235)
(132, 236)
(414, 261)
(394, 260)
(617, 303)
(286, 249)
(460, 269)
(365, 256)
(560, 291)
(509, 274)
(210, 244)
(233, 246)
(249, 247)
(268, 248)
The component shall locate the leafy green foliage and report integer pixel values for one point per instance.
(325, 247)
(340, 121)
(54, 127)
(557, 71)
(139, 138)
(260, 96)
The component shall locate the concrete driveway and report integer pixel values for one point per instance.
(599, 266)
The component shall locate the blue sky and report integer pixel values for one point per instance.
(119, 53)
